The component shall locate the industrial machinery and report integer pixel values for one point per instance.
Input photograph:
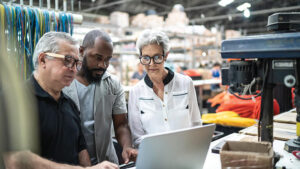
(265, 61)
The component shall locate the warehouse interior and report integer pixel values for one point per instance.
(207, 38)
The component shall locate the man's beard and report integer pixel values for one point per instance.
(88, 73)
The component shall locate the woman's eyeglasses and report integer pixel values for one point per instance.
(146, 60)
(69, 61)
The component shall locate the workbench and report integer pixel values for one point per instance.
(284, 129)
(288, 160)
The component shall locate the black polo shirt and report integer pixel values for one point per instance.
(61, 136)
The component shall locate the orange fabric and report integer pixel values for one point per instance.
(192, 72)
(256, 110)
(245, 108)
(218, 99)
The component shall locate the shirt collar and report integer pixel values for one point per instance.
(167, 79)
(39, 91)
(106, 75)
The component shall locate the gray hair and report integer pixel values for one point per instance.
(49, 43)
(151, 37)
(90, 37)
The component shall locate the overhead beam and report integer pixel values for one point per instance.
(201, 7)
(157, 4)
(106, 5)
(253, 13)
(246, 25)
(192, 8)
(188, 9)
(211, 5)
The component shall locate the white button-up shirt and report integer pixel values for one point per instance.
(148, 114)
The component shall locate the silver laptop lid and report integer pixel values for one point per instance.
(180, 149)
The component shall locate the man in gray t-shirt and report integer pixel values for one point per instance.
(86, 102)
(101, 100)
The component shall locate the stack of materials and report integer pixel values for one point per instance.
(120, 19)
(149, 21)
(102, 19)
(229, 34)
(177, 17)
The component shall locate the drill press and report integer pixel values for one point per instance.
(264, 62)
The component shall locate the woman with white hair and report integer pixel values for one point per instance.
(163, 100)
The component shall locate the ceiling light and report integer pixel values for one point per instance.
(225, 2)
(244, 6)
(246, 13)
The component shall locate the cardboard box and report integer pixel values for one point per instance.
(229, 34)
(246, 155)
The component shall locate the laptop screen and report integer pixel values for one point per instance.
(180, 149)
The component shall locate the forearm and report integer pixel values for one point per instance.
(123, 135)
(84, 158)
(29, 160)
(122, 130)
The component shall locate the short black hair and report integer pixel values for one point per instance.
(90, 37)
(217, 64)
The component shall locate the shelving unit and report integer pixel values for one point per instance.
(127, 56)
(187, 49)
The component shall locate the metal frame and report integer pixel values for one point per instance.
(105, 5)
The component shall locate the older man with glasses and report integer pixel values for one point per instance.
(164, 100)
(61, 140)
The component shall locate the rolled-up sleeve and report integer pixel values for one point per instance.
(134, 118)
(119, 106)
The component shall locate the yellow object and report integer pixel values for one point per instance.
(213, 117)
(227, 114)
(2, 20)
(236, 121)
(298, 129)
(228, 118)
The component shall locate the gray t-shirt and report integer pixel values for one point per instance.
(109, 100)
(86, 100)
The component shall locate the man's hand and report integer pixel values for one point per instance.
(27, 159)
(104, 165)
(129, 154)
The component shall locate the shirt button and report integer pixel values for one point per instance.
(166, 119)
(163, 105)
(166, 92)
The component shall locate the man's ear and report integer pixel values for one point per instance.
(166, 56)
(81, 50)
(41, 59)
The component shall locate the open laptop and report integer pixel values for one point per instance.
(180, 149)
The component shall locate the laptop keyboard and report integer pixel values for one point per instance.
(129, 165)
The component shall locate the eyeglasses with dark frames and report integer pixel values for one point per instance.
(146, 60)
(69, 61)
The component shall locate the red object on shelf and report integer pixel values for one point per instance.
(293, 97)
(192, 73)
